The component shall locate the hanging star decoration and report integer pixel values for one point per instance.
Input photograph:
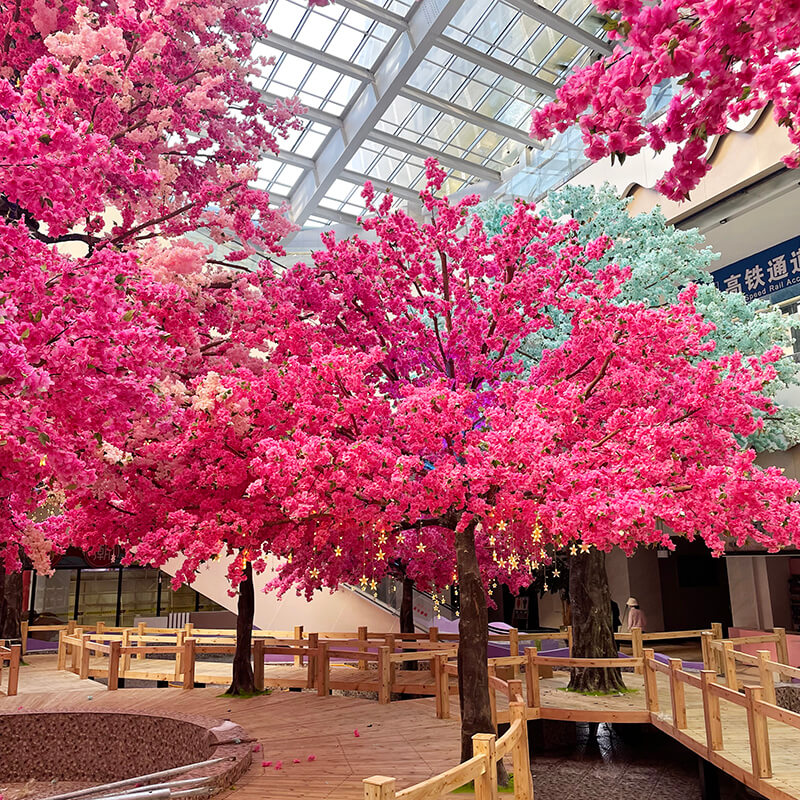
(573, 551)
(585, 548)
(338, 551)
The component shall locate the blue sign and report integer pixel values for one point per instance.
(766, 273)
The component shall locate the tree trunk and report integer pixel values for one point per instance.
(473, 642)
(592, 636)
(243, 680)
(407, 606)
(407, 616)
(10, 604)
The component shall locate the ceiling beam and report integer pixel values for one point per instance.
(316, 56)
(378, 13)
(495, 65)
(288, 157)
(380, 185)
(562, 25)
(313, 114)
(428, 20)
(480, 120)
(454, 162)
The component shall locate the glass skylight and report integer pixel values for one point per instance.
(464, 94)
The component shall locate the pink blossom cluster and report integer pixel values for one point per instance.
(727, 59)
(122, 126)
(146, 109)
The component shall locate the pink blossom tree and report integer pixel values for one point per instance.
(123, 126)
(727, 59)
(392, 415)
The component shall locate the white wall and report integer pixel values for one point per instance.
(343, 610)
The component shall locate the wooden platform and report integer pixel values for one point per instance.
(403, 738)
(735, 756)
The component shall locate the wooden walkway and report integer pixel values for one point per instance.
(735, 755)
(403, 739)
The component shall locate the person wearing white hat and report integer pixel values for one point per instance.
(634, 616)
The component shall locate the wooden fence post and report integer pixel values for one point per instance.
(76, 648)
(433, 634)
(126, 657)
(513, 649)
(384, 676)
(758, 733)
(711, 715)
(180, 637)
(493, 697)
(514, 689)
(637, 643)
(13, 670)
(100, 627)
(781, 646)
(484, 744)
(520, 755)
(705, 645)
(323, 670)
(313, 644)
(766, 677)
(442, 686)
(113, 666)
(532, 679)
(379, 788)
(676, 692)
(298, 634)
(141, 632)
(390, 643)
(363, 636)
(650, 681)
(731, 679)
(83, 674)
(23, 633)
(258, 664)
(716, 634)
(62, 650)
(188, 662)
(70, 627)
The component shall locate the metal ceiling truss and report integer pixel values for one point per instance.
(411, 41)
(480, 120)
(428, 20)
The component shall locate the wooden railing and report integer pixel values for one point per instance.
(757, 701)
(722, 656)
(10, 657)
(117, 648)
(481, 769)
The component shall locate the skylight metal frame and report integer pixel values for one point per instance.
(373, 91)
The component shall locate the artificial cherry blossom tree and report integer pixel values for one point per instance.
(726, 60)
(123, 126)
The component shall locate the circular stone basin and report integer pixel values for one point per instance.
(103, 746)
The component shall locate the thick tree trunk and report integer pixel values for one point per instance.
(10, 605)
(473, 642)
(243, 680)
(592, 636)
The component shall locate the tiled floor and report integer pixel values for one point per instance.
(626, 762)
